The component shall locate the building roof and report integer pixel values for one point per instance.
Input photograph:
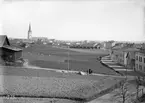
(117, 47)
(12, 48)
(96, 44)
(41, 38)
(126, 49)
(3, 38)
(131, 49)
(87, 45)
(27, 41)
(137, 45)
(142, 51)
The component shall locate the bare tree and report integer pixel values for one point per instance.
(139, 82)
(137, 86)
(122, 94)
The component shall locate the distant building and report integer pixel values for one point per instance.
(7, 52)
(108, 45)
(29, 32)
(51, 40)
(27, 41)
(140, 61)
(97, 45)
(117, 55)
(115, 52)
(138, 45)
(39, 38)
(114, 43)
(31, 39)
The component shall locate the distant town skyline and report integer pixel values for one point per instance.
(74, 20)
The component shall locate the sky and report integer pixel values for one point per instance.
(74, 20)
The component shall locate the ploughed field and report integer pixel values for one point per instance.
(57, 58)
(49, 84)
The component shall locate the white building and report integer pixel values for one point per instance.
(129, 57)
(140, 61)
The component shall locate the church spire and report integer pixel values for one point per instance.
(29, 31)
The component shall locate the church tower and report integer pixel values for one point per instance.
(29, 32)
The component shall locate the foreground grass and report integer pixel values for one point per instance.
(36, 100)
(61, 88)
(30, 82)
(52, 87)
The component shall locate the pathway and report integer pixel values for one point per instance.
(106, 60)
(62, 71)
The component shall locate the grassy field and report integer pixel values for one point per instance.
(36, 100)
(50, 57)
(29, 82)
(32, 82)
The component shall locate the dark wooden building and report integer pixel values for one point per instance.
(7, 52)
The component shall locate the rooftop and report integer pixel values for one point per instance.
(142, 51)
(131, 49)
(3, 38)
(12, 48)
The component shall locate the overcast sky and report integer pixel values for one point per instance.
(74, 20)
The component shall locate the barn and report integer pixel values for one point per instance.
(8, 52)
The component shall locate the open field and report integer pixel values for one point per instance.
(93, 51)
(56, 58)
(29, 82)
(45, 83)
(36, 100)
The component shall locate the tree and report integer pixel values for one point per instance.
(137, 86)
(122, 94)
(139, 82)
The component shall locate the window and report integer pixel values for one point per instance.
(144, 60)
(136, 66)
(140, 59)
(136, 57)
(140, 67)
(144, 69)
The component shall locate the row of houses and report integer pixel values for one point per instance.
(96, 45)
(130, 57)
(87, 45)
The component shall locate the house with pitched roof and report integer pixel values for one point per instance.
(129, 57)
(108, 44)
(116, 53)
(124, 55)
(8, 52)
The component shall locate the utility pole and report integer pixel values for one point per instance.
(144, 17)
